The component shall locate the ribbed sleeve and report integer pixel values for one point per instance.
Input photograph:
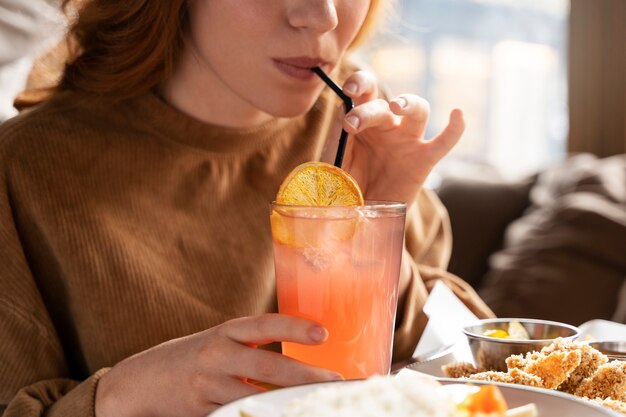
(33, 367)
(56, 398)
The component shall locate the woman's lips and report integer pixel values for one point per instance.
(298, 68)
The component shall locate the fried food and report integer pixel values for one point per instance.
(513, 376)
(554, 368)
(608, 381)
(590, 360)
(619, 406)
(567, 366)
(460, 370)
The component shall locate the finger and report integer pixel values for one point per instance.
(267, 328)
(441, 144)
(361, 87)
(274, 368)
(373, 114)
(415, 111)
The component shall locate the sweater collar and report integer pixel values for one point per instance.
(167, 121)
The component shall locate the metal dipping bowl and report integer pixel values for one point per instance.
(490, 353)
(613, 350)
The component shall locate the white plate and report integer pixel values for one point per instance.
(443, 355)
(433, 365)
(549, 403)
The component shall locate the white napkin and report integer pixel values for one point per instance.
(447, 315)
(602, 330)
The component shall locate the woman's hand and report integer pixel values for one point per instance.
(387, 153)
(195, 374)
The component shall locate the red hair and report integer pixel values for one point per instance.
(124, 47)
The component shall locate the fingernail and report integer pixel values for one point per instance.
(318, 333)
(353, 121)
(400, 101)
(350, 88)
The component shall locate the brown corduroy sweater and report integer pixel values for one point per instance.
(123, 226)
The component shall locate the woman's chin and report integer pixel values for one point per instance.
(290, 108)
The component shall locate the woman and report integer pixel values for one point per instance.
(138, 272)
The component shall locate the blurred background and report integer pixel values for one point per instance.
(504, 62)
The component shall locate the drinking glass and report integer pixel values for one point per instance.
(340, 266)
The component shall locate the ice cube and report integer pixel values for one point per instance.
(318, 258)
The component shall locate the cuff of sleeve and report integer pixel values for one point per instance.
(80, 401)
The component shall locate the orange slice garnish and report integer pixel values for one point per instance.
(319, 184)
(315, 184)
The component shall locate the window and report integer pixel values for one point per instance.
(502, 61)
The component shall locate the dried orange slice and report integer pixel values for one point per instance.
(319, 184)
(314, 184)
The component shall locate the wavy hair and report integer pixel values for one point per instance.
(121, 48)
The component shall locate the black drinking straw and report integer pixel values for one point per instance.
(349, 105)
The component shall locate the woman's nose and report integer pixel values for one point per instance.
(317, 15)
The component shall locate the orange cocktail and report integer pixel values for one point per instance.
(339, 266)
